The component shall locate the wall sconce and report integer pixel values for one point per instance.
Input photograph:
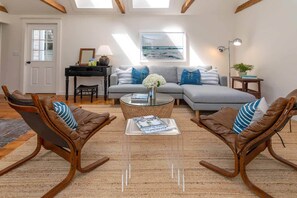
(235, 42)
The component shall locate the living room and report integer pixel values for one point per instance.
(266, 29)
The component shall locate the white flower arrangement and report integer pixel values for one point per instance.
(154, 80)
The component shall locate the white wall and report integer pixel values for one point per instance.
(269, 30)
(204, 34)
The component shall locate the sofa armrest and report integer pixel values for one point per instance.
(113, 79)
(223, 80)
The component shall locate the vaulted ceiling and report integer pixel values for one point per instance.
(176, 7)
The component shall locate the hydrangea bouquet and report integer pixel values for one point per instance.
(153, 80)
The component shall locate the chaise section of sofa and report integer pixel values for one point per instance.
(214, 97)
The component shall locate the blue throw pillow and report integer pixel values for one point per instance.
(193, 77)
(139, 75)
(65, 114)
(245, 116)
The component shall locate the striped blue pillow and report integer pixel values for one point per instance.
(245, 116)
(65, 114)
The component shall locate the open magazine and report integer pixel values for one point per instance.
(151, 124)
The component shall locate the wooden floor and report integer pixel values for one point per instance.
(8, 113)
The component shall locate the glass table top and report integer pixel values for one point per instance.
(161, 99)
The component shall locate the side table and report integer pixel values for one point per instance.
(244, 85)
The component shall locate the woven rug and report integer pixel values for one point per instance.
(11, 129)
(150, 171)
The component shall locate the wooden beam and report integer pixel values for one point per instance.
(186, 5)
(3, 9)
(246, 5)
(55, 5)
(121, 6)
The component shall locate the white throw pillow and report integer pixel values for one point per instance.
(260, 111)
(210, 77)
(124, 76)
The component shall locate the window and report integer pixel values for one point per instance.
(93, 3)
(42, 45)
(151, 3)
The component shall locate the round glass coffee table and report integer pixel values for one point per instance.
(162, 106)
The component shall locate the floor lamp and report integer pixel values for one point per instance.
(235, 42)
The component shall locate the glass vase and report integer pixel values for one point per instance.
(153, 93)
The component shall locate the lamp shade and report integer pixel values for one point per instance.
(237, 42)
(104, 50)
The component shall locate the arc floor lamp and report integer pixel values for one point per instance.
(235, 42)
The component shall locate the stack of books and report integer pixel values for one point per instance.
(249, 77)
(151, 124)
(139, 98)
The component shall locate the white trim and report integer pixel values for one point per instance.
(25, 22)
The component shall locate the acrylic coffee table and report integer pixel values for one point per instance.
(175, 152)
(162, 106)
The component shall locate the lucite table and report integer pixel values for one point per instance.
(175, 152)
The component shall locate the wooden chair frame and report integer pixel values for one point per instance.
(73, 155)
(252, 149)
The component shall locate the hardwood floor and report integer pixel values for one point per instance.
(8, 113)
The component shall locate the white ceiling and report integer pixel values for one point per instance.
(199, 7)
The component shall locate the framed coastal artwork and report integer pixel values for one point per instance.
(163, 46)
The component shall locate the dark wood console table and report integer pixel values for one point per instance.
(244, 85)
(87, 71)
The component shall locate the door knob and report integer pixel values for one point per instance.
(28, 62)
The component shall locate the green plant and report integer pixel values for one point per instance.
(242, 67)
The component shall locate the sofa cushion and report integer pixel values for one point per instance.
(191, 77)
(128, 88)
(64, 112)
(216, 94)
(168, 72)
(245, 116)
(180, 70)
(210, 77)
(170, 88)
(124, 75)
(138, 75)
(264, 123)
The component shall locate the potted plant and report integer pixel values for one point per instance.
(242, 68)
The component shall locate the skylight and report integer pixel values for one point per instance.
(151, 3)
(93, 3)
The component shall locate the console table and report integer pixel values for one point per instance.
(244, 85)
(87, 71)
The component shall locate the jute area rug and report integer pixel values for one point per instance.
(150, 171)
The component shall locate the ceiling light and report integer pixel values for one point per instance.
(93, 3)
(151, 3)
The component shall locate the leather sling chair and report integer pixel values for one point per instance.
(55, 135)
(252, 141)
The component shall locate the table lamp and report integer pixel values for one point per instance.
(104, 51)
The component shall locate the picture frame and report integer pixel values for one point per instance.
(85, 54)
(162, 46)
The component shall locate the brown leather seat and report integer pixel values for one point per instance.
(253, 140)
(55, 135)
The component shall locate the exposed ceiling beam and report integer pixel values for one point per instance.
(246, 5)
(55, 5)
(121, 6)
(186, 5)
(3, 9)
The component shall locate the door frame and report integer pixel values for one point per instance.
(25, 47)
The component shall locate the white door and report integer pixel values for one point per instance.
(40, 72)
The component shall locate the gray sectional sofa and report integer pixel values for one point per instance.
(203, 97)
